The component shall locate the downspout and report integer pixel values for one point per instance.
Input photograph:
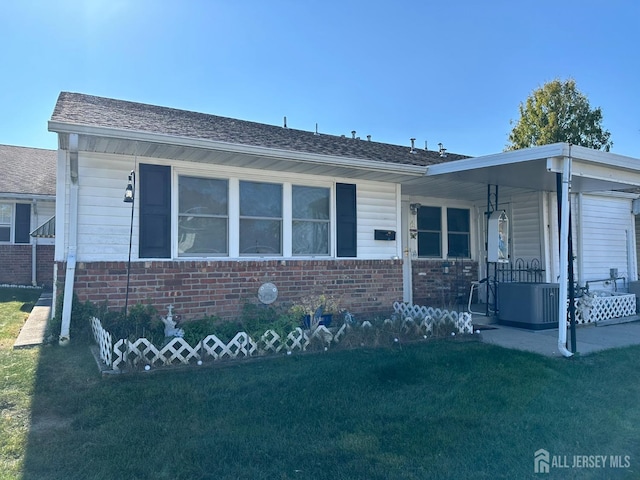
(73, 239)
(563, 261)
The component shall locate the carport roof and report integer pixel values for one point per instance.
(535, 169)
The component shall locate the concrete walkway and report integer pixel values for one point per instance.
(589, 338)
(34, 328)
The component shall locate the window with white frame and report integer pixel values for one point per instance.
(432, 234)
(6, 220)
(205, 226)
(203, 216)
(260, 218)
(311, 220)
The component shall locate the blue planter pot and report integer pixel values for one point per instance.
(324, 320)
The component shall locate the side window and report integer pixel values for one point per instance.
(203, 206)
(310, 229)
(429, 232)
(458, 232)
(6, 219)
(260, 218)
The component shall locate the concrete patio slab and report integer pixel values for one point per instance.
(589, 338)
(33, 330)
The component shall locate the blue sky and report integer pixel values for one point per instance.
(450, 71)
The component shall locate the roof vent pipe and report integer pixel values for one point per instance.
(425, 146)
(442, 150)
(353, 134)
(285, 122)
(316, 130)
(368, 138)
(413, 147)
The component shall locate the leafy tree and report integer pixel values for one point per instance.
(558, 112)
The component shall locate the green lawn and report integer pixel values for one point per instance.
(440, 409)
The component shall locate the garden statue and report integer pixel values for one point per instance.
(170, 329)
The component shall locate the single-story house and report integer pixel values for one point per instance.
(27, 203)
(222, 206)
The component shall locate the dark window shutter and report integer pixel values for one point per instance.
(23, 223)
(346, 225)
(155, 211)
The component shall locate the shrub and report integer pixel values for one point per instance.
(142, 321)
(197, 330)
(80, 326)
(257, 319)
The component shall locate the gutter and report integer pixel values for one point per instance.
(266, 152)
(73, 240)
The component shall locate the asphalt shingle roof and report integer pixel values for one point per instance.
(27, 170)
(87, 110)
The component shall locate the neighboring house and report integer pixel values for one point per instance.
(223, 206)
(27, 201)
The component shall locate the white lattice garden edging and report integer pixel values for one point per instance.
(178, 351)
(412, 319)
(103, 339)
(429, 317)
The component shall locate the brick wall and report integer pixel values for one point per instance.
(44, 265)
(434, 288)
(221, 288)
(15, 264)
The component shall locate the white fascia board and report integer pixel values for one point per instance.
(600, 166)
(555, 150)
(607, 158)
(133, 135)
(27, 196)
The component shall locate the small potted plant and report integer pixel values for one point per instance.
(316, 310)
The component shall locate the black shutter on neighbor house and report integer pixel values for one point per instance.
(23, 223)
(346, 239)
(155, 211)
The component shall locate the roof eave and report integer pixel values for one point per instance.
(321, 159)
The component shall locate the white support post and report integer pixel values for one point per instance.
(564, 258)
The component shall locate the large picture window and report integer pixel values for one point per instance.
(260, 218)
(222, 217)
(203, 216)
(310, 230)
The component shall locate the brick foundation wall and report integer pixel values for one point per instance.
(434, 288)
(15, 264)
(202, 288)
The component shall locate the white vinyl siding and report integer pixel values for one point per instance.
(377, 210)
(526, 228)
(606, 231)
(103, 217)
